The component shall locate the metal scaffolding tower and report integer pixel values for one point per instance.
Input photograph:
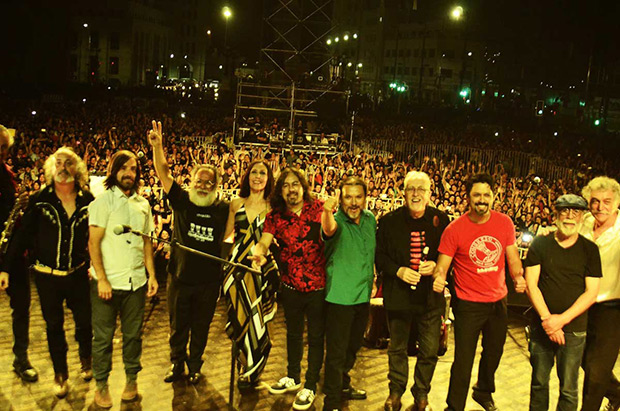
(293, 37)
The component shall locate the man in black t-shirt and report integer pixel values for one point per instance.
(562, 272)
(199, 223)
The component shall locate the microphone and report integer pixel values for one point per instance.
(424, 256)
(122, 229)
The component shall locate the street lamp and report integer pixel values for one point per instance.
(456, 13)
(227, 13)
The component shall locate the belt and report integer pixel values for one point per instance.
(43, 269)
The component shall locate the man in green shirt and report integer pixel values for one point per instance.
(350, 253)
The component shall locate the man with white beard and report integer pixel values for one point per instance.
(199, 223)
(562, 273)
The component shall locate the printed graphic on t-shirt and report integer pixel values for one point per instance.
(485, 252)
(417, 244)
(200, 233)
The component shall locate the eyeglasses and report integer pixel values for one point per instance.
(206, 183)
(570, 211)
(418, 190)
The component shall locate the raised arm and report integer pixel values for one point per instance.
(328, 222)
(159, 158)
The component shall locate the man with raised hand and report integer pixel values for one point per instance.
(350, 253)
(199, 223)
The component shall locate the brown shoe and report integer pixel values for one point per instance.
(130, 392)
(392, 403)
(103, 399)
(421, 405)
(87, 368)
(61, 386)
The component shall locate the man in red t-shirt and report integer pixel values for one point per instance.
(295, 222)
(478, 243)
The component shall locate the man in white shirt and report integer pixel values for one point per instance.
(602, 226)
(120, 264)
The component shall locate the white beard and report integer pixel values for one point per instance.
(202, 201)
(566, 231)
(68, 179)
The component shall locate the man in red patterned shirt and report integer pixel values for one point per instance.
(295, 222)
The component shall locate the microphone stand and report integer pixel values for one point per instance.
(237, 277)
(175, 243)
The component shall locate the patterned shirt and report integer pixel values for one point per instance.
(302, 261)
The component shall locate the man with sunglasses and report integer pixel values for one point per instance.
(199, 223)
(562, 273)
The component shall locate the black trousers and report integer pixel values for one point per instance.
(428, 324)
(297, 307)
(19, 297)
(75, 290)
(602, 346)
(344, 332)
(191, 309)
(471, 319)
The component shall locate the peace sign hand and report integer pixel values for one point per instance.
(155, 135)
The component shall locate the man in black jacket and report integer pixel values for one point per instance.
(407, 242)
(55, 232)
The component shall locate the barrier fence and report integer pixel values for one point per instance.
(516, 163)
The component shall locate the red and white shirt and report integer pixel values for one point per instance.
(478, 252)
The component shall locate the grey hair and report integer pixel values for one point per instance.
(415, 175)
(602, 183)
(6, 130)
(49, 167)
(208, 167)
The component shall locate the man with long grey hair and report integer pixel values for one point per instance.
(55, 231)
(199, 223)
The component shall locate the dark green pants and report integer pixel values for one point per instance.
(129, 305)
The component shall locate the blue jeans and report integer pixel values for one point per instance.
(543, 352)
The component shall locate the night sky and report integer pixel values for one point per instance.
(530, 28)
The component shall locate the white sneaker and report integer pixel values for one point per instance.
(304, 399)
(286, 384)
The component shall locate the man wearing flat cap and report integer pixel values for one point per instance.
(562, 273)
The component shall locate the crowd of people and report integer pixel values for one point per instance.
(303, 225)
(95, 134)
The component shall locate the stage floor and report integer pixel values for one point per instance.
(370, 372)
